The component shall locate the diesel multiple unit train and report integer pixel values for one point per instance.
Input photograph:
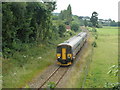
(67, 50)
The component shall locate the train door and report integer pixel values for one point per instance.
(63, 53)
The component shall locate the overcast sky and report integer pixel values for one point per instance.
(105, 8)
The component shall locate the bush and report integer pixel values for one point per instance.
(90, 29)
(99, 26)
(94, 29)
(66, 34)
(90, 24)
(51, 85)
(69, 33)
(96, 36)
(94, 44)
(7, 53)
(75, 27)
(61, 30)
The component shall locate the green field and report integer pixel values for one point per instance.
(104, 56)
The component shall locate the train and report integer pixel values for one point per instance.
(66, 52)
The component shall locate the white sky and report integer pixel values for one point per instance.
(105, 8)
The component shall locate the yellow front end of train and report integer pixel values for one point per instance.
(64, 55)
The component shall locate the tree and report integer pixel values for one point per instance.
(61, 30)
(66, 15)
(113, 23)
(69, 14)
(75, 27)
(85, 23)
(8, 29)
(94, 19)
(24, 23)
(63, 15)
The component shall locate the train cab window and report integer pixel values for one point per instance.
(58, 49)
(69, 49)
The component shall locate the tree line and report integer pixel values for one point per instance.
(31, 23)
(67, 19)
(25, 22)
(94, 21)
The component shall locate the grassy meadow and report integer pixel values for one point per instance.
(104, 56)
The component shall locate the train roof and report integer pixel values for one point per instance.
(72, 41)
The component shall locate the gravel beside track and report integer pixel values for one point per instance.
(41, 78)
(56, 77)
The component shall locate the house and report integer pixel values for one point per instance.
(68, 27)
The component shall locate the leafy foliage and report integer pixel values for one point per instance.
(113, 23)
(85, 23)
(51, 85)
(94, 44)
(75, 27)
(94, 19)
(113, 71)
(25, 22)
(69, 33)
(66, 15)
(62, 29)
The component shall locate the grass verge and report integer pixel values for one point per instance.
(104, 56)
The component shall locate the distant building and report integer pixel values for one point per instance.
(84, 18)
(56, 14)
(68, 27)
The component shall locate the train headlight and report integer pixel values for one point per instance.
(68, 56)
(58, 57)
(68, 59)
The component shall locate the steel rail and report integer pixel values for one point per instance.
(49, 77)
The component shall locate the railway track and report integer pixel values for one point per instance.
(54, 74)
(55, 77)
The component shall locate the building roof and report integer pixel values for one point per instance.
(68, 27)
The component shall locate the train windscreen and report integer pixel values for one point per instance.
(59, 49)
(68, 48)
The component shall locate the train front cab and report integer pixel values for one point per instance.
(64, 55)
